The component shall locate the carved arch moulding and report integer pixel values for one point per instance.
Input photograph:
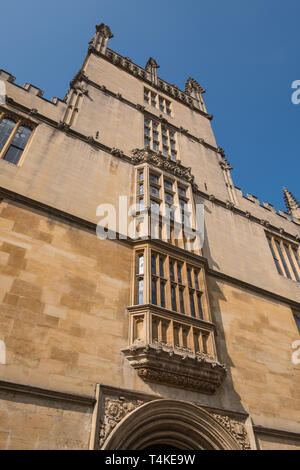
(129, 420)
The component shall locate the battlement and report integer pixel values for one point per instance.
(29, 88)
(266, 206)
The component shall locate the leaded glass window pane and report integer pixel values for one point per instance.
(6, 128)
(141, 291)
(18, 144)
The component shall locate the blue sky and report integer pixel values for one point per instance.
(245, 53)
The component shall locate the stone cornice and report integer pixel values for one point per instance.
(157, 159)
(276, 432)
(16, 388)
(128, 66)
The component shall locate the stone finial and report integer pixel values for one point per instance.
(152, 67)
(102, 35)
(195, 91)
(292, 205)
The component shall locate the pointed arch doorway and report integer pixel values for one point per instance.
(169, 425)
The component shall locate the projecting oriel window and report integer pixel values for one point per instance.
(14, 137)
(285, 256)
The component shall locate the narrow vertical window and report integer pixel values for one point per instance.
(275, 257)
(173, 298)
(172, 276)
(199, 301)
(294, 269)
(181, 301)
(287, 272)
(192, 304)
(179, 278)
(141, 264)
(189, 277)
(141, 291)
(154, 291)
(196, 274)
(161, 266)
(162, 295)
(153, 264)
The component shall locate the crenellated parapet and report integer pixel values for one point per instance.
(29, 88)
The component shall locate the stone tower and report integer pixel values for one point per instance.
(112, 340)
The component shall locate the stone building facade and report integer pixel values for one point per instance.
(132, 342)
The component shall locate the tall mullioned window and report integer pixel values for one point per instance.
(14, 137)
(286, 257)
(173, 284)
(160, 137)
(157, 101)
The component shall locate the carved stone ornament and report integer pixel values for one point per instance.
(117, 152)
(79, 77)
(229, 205)
(147, 155)
(151, 64)
(235, 428)
(192, 84)
(104, 30)
(63, 126)
(115, 409)
(178, 367)
(225, 165)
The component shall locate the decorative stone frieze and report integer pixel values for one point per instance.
(146, 155)
(235, 428)
(115, 409)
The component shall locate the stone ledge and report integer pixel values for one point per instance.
(177, 367)
(12, 387)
